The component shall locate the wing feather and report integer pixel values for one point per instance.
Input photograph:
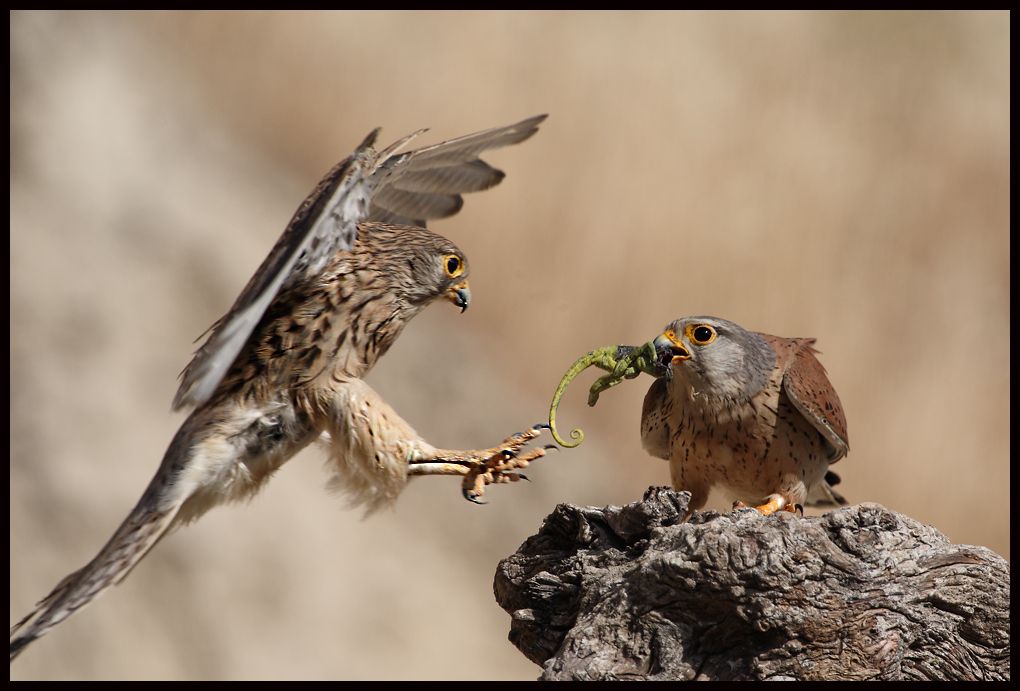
(808, 386)
(408, 188)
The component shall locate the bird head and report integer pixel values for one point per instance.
(455, 268)
(714, 356)
(420, 264)
(439, 270)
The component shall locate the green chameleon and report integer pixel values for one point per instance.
(622, 362)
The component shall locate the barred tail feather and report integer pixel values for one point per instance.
(132, 541)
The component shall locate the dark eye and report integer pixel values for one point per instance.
(453, 265)
(702, 334)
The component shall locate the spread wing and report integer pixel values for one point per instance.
(427, 185)
(409, 188)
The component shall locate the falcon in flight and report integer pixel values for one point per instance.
(284, 366)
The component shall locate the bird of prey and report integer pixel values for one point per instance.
(748, 413)
(751, 414)
(284, 366)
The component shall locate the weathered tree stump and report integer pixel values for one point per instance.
(859, 593)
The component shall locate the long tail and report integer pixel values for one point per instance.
(149, 521)
(132, 541)
(220, 454)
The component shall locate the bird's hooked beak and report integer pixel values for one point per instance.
(669, 348)
(459, 294)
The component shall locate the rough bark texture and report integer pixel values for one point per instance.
(859, 593)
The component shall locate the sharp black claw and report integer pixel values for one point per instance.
(507, 453)
(550, 446)
(523, 477)
(543, 425)
(472, 497)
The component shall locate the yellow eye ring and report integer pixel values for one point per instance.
(453, 265)
(700, 334)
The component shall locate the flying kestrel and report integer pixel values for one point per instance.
(751, 414)
(284, 366)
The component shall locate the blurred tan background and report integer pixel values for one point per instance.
(843, 176)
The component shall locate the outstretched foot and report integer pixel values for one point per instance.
(479, 468)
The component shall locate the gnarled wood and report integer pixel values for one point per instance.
(859, 593)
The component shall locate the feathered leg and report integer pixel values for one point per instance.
(373, 451)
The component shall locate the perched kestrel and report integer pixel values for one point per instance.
(751, 414)
(284, 367)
